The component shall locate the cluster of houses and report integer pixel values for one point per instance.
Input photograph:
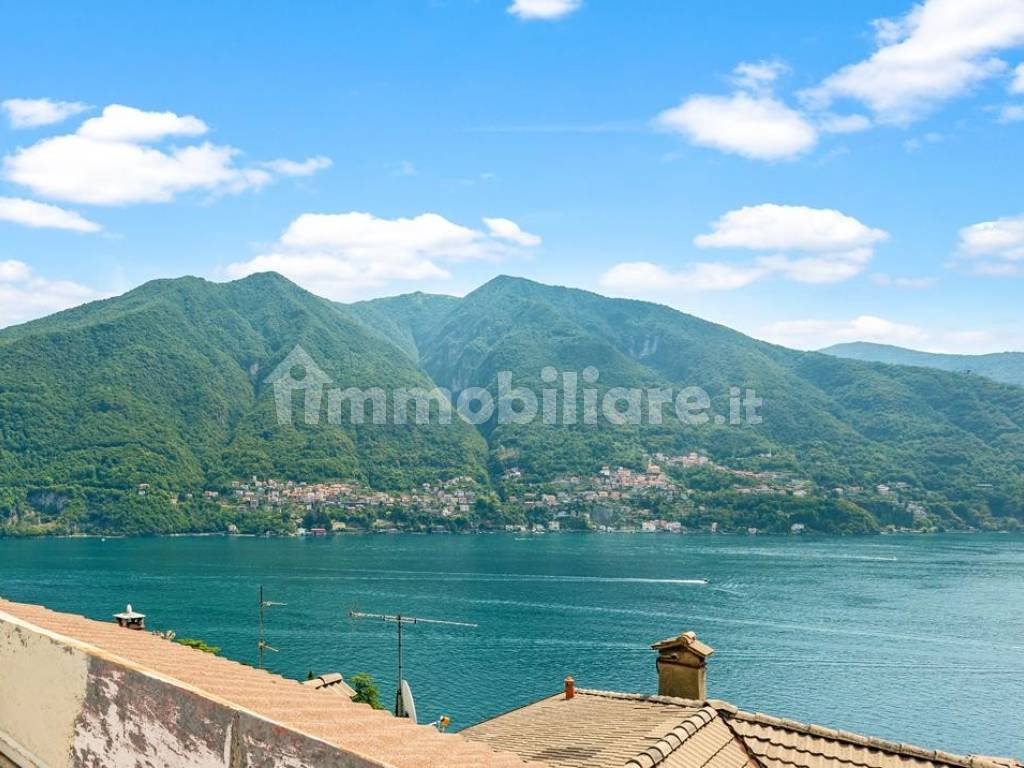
(447, 498)
(614, 498)
(608, 485)
(749, 482)
(621, 484)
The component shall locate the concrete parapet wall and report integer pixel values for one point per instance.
(65, 704)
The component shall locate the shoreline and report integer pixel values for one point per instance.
(519, 535)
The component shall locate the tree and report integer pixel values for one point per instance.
(366, 690)
(199, 645)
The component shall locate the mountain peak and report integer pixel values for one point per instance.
(267, 278)
(505, 281)
(506, 284)
(500, 279)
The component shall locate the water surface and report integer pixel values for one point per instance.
(918, 639)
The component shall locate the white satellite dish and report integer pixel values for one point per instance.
(407, 703)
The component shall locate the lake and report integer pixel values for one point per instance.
(913, 638)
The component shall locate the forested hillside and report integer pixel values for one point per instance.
(118, 415)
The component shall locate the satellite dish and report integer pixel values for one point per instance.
(408, 705)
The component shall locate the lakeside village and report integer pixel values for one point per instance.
(675, 494)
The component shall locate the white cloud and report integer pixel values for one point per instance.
(364, 235)
(110, 161)
(751, 125)
(32, 113)
(750, 122)
(543, 9)
(83, 170)
(506, 229)
(121, 123)
(333, 254)
(14, 271)
(822, 269)
(888, 31)
(937, 51)
(816, 334)
(829, 123)
(769, 227)
(25, 296)
(995, 247)
(643, 277)
(306, 167)
(758, 75)
(41, 215)
(832, 247)
(1011, 113)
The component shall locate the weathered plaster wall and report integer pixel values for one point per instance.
(67, 705)
(262, 744)
(42, 687)
(132, 719)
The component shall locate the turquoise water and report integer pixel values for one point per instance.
(913, 638)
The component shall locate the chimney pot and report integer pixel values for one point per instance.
(130, 618)
(570, 687)
(682, 666)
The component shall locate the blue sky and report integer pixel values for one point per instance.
(806, 172)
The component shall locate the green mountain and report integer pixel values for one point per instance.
(1007, 367)
(958, 438)
(165, 386)
(117, 415)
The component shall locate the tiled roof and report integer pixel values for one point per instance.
(352, 727)
(601, 729)
(779, 743)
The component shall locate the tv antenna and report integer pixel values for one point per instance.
(262, 643)
(403, 709)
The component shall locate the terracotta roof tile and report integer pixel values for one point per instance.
(334, 719)
(780, 743)
(601, 729)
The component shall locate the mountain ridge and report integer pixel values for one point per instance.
(1006, 367)
(163, 387)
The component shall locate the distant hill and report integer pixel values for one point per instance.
(1007, 367)
(166, 386)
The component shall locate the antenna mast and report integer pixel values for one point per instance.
(262, 643)
(399, 620)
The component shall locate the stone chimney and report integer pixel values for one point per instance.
(682, 666)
